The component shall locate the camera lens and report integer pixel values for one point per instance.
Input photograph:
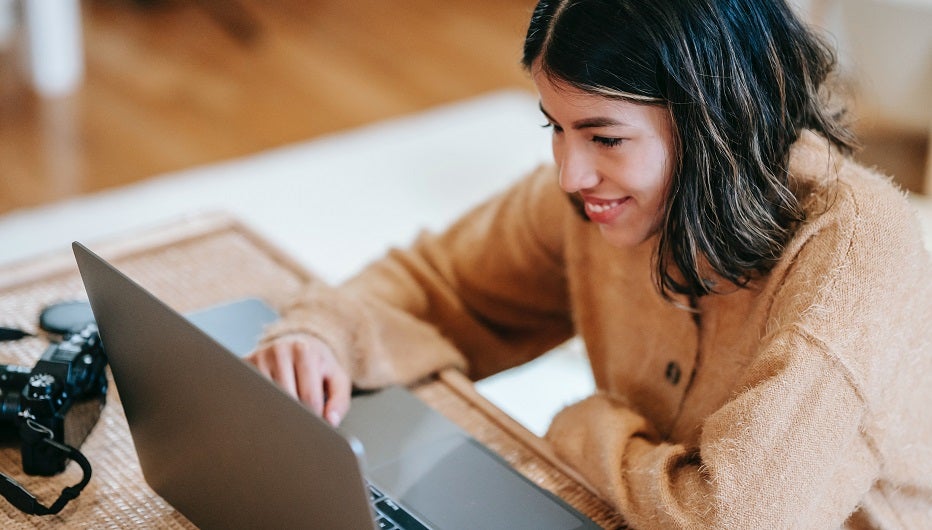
(9, 405)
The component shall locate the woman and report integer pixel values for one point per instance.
(755, 305)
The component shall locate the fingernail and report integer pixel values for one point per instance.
(333, 417)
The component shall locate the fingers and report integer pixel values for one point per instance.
(273, 362)
(282, 369)
(310, 372)
(322, 384)
(305, 368)
(339, 389)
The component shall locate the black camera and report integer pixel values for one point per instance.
(60, 398)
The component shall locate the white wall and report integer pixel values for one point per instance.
(885, 46)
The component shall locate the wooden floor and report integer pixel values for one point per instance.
(180, 83)
(175, 83)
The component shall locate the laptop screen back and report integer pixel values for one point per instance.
(217, 440)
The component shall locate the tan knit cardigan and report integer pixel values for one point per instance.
(804, 401)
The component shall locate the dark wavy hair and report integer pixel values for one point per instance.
(741, 79)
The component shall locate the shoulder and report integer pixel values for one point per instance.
(856, 278)
(853, 212)
(858, 261)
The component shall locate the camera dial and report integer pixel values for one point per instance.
(41, 392)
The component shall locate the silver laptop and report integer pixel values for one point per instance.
(228, 449)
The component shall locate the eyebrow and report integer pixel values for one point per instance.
(586, 123)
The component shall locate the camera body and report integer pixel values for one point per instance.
(60, 397)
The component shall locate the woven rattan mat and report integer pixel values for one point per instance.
(191, 264)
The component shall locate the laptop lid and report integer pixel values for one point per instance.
(217, 440)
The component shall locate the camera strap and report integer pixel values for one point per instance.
(25, 501)
(11, 334)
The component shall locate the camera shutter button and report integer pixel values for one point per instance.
(40, 392)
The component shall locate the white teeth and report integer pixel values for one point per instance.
(599, 208)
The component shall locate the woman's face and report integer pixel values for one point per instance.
(614, 156)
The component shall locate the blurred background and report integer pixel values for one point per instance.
(169, 84)
(96, 94)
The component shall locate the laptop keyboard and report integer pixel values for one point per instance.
(389, 515)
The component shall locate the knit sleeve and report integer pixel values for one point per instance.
(484, 295)
(785, 453)
(823, 403)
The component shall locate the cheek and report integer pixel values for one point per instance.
(637, 175)
(651, 172)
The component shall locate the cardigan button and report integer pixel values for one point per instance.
(673, 373)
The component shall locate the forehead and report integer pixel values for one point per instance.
(565, 102)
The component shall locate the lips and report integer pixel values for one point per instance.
(604, 211)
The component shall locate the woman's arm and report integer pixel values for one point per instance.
(786, 452)
(490, 289)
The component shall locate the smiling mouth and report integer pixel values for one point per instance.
(592, 209)
(603, 206)
(604, 211)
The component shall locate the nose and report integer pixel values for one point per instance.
(577, 169)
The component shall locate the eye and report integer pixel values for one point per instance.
(556, 128)
(607, 142)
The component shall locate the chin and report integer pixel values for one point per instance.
(624, 237)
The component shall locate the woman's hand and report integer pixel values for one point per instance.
(307, 368)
